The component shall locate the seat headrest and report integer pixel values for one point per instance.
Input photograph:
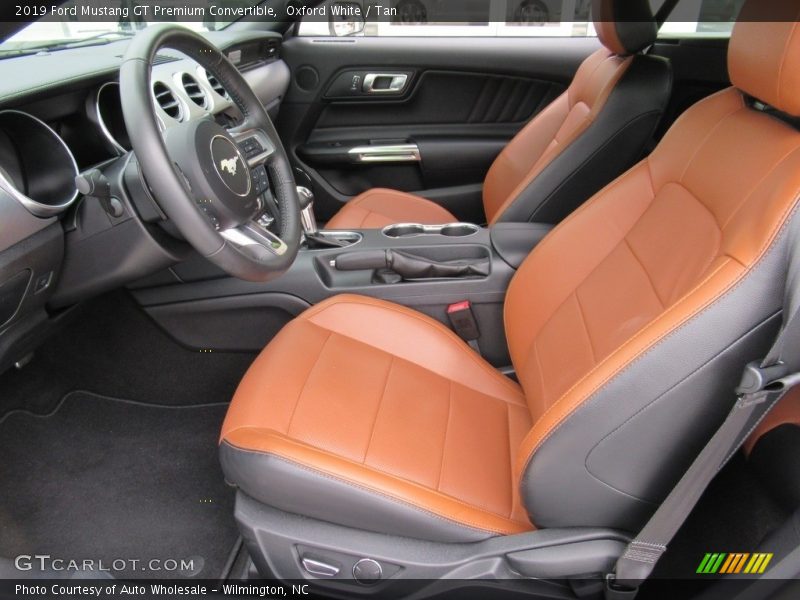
(624, 26)
(764, 54)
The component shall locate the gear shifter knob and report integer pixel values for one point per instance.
(306, 197)
(307, 217)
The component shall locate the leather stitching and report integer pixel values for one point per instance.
(378, 408)
(647, 274)
(305, 383)
(446, 431)
(429, 322)
(769, 245)
(337, 478)
(783, 63)
(652, 404)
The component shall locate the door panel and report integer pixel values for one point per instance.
(438, 97)
(460, 103)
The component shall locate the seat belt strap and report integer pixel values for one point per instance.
(763, 385)
(640, 557)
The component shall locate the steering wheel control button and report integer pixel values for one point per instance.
(266, 220)
(251, 147)
(367, 571)
(319, 568)
(260, 179)
(209, 213)
(230, 165)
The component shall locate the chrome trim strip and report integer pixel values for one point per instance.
(318, 568)
(388, 153)
(101, 121)
(254, 235)
(420, 229)
(38, 209)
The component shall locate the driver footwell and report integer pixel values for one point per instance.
(111, 480)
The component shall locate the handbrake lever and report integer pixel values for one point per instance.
(410, 266)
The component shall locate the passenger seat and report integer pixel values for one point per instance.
(584, 140)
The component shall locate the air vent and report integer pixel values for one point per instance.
(167, 100)
(216, 85)
(160, 59)
(194, 91)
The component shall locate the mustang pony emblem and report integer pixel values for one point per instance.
(229, 165)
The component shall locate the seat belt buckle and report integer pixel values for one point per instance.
(755, 382)
(616, 591)
(463, 322)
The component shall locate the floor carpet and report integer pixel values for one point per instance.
(112, 347)
(105, 479)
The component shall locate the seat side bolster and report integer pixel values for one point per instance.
(298, 478)
(613, 141)
(691, 352)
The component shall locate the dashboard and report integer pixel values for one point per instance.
(60, 116)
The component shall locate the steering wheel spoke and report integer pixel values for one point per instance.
(255, 144)
(227, 172)
(255, 235)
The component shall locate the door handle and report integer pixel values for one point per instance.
(384, 83)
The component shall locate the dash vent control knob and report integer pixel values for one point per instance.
(367, 571)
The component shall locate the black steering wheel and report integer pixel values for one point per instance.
(209, 180)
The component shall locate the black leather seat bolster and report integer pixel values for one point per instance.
(295, 488)
(612, 144)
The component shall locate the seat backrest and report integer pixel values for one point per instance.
(629, 325)
(590, 134)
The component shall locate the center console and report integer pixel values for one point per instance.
(425, 267)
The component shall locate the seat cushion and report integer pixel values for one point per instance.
(371, 415)
(379, 207)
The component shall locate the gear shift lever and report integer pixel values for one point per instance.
(307, 217)
(313, 238)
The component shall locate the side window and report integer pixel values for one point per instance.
(440, 18)
(702, 18)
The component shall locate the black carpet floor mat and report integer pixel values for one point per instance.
(112, 347)
(735, 514)
(107, 479)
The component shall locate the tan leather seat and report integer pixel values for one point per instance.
(628, 327)
(588, 136)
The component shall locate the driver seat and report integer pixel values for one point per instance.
(370, 425)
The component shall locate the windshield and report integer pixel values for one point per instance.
(119, 21)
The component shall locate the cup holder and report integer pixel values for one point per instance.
(459, 230)
(402, 230)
